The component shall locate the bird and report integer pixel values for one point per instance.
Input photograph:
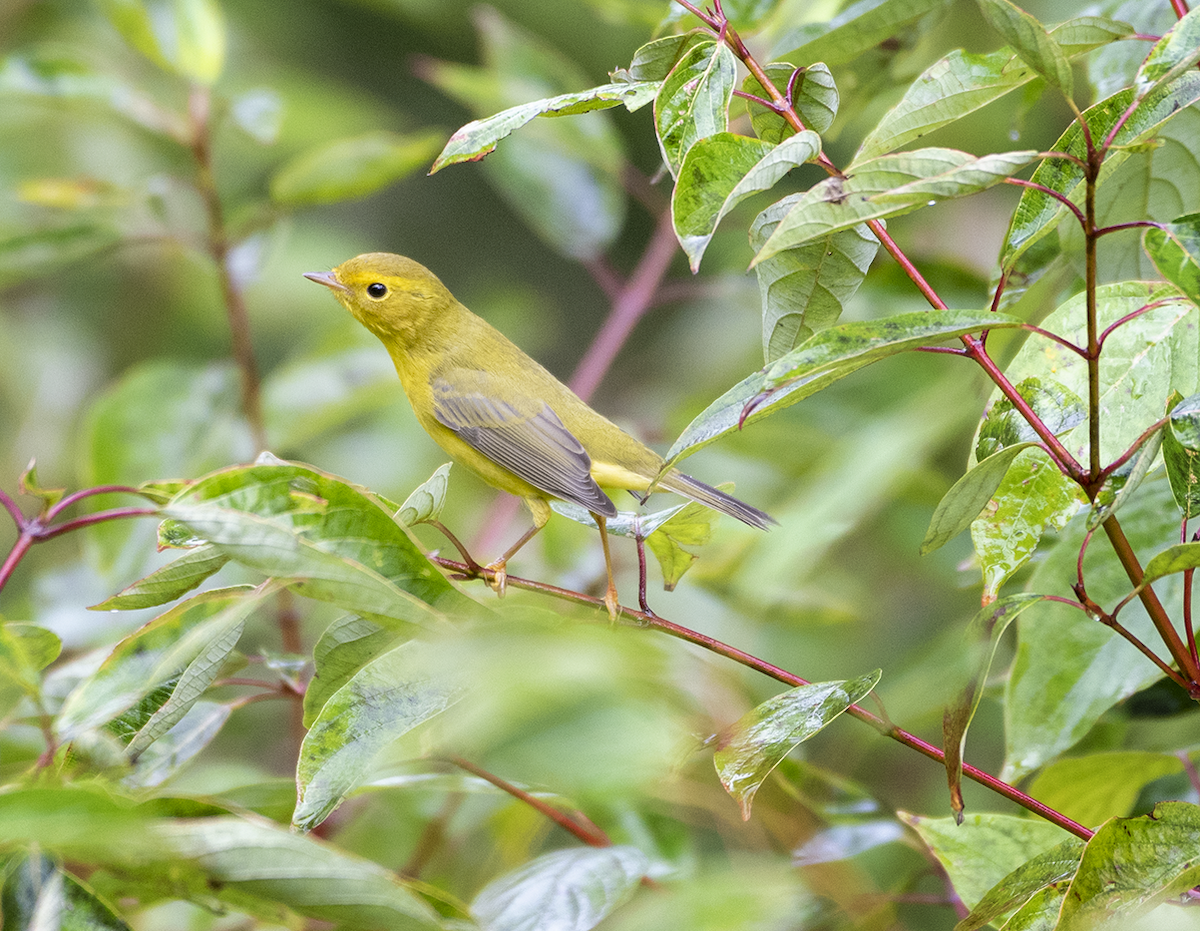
(498, 412)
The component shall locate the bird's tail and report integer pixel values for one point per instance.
(716, 499)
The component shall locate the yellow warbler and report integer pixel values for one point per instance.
(497, 411)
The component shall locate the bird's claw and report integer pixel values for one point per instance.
(613, 605)
(496, 578)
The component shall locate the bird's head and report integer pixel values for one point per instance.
(390, 295)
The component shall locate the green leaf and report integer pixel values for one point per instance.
(384, 700)
(968, 496)
(184, 36)
(888, 186)
(1038, 213)
(292, 522)
(963, 82)
(1184, 421)
(1057, 406)
(721, 171)
(427, 499)
(1183, 463)
(1122, 483)
(1144, 359)
(38, 895)
(982, 638)
(193, 732)
(51, 72)
(1068, 670)
(348, 644)
(174, 579)
(814, 96)
(1175, 250)
(1020, 888)
(1172, 55)
(805, 289)
(1030, 41)
(567, 890)
(754, 746)
(25, 650)
(1091, 789)
(479, 137)
(246, 860)
(984, 849)
(654, 60)
(673, 540)
(1033, 497)
(821, 360)
(1177, 558)
(87, 822)
(693, 102)
(625, 524)
(259, 114)
(29, 255)
(859, 27)
(183, 648)
(1131, 864)
(347, 169)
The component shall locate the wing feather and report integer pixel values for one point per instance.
(526, 437)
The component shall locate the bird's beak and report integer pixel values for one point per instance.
(329, 279)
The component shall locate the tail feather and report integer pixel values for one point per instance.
(716, 499)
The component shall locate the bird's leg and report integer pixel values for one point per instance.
(610, 595)
(641, 551)
(496, 576)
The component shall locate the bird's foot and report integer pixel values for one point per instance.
(496, 577)
(613, 605)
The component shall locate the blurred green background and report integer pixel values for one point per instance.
(115, 366)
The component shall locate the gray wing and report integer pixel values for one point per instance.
(526, 437)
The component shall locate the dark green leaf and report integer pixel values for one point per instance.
(805, 289)
(351, 168)
(981, 851)
(174, 579)
(184, 647)
(721, 171)
(860, 26)
(567, 890)
(654, 60)
(1175, 250)
(828, 356)
(962, 82)
(1122, 483)
(814, 96)
(39, 895)
(693, 101)
(1033, 497)
(1022, 884)
(968, 496)
(1057, 406)
(384, 700)
(1038, 213)
(347, 645)
(982, 638)
(291, 522)
(752, 747)
(479, 137)
(1131, 864)
(1172, 55)
(1030, 41)
(1183, 463)
(888, 186)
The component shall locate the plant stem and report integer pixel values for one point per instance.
(1158, 615)
(199, 110)
(643, 620)
(576, 823)
(633, 299)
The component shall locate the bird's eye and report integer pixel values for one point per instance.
(376, 290)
